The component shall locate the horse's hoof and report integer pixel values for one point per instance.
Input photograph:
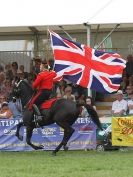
(41, 147)
(53, 153)
(38, 147)
(65, 148)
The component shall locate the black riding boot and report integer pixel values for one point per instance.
(38, 117)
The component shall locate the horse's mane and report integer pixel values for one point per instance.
(26, 91)
(27, 83)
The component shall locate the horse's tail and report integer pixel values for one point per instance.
(94, 116)
(92, 112)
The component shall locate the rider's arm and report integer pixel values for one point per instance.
(36, 83)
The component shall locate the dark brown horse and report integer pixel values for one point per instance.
(63, 112)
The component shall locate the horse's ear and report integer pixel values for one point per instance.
(17, 79)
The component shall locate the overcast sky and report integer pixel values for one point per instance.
(60, 12)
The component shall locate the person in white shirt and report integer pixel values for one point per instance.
(68, 94)
(119, 107)
(130, 104)
(5, 111)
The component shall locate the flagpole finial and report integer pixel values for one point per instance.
(86, 24)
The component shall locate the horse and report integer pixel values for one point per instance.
(63, 112)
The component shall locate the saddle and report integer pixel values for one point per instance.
(46, 105)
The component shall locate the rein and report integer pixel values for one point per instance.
(17, 84)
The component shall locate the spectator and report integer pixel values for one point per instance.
(129, 69)
(16, 108)
(81, 99)
(20, 74)
(68, 94)
(2, 99)
(35, 65)
(129, 90)
(2, 77)
(88, 101)
(21, 70)
(60, 88)
(119, 107)
(130, 104)
(7, 88)
(81, 91)
(14, 69)
(30, 78)
(51, 63)
(5, 111)
(8, 72)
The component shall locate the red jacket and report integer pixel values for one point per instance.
(44, 80)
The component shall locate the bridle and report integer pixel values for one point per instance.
(18, 83)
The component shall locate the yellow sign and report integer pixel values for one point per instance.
(122, 131)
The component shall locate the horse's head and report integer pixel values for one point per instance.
(22, 89)
(16, 92)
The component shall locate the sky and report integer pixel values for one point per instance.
(61, 12)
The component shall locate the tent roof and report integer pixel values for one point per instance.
(37, 16)
(114, 11)
(16, 30)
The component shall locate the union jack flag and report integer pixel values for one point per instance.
(87, 67)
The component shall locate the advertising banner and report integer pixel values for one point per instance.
(122, 131)
(50, 136)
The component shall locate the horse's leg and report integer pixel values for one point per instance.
(20, 137)
(29, 131)
(68, 131)
(66, 138)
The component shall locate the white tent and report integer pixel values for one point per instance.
(114, 11)
(28, 16)
(25, 13)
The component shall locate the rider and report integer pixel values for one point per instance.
(43, 84)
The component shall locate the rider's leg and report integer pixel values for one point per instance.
(43, 96)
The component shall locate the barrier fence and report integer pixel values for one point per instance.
(86, 136)
(50, 136)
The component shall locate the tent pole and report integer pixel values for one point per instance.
(95, 39)
(107, 36)
(61, 27)
(88, 27)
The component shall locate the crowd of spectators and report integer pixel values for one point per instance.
(8, 107)
(127, 78)
(123, 105)
(63, 89)
(8, 74)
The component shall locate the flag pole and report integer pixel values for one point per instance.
(107, 36)
(47, 52)
(61, 27)
(88, 27)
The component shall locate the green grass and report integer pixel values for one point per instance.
(66, 164)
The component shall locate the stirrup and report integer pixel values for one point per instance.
(36, 110)
(37, 120)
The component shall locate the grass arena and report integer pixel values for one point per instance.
(67, 164)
